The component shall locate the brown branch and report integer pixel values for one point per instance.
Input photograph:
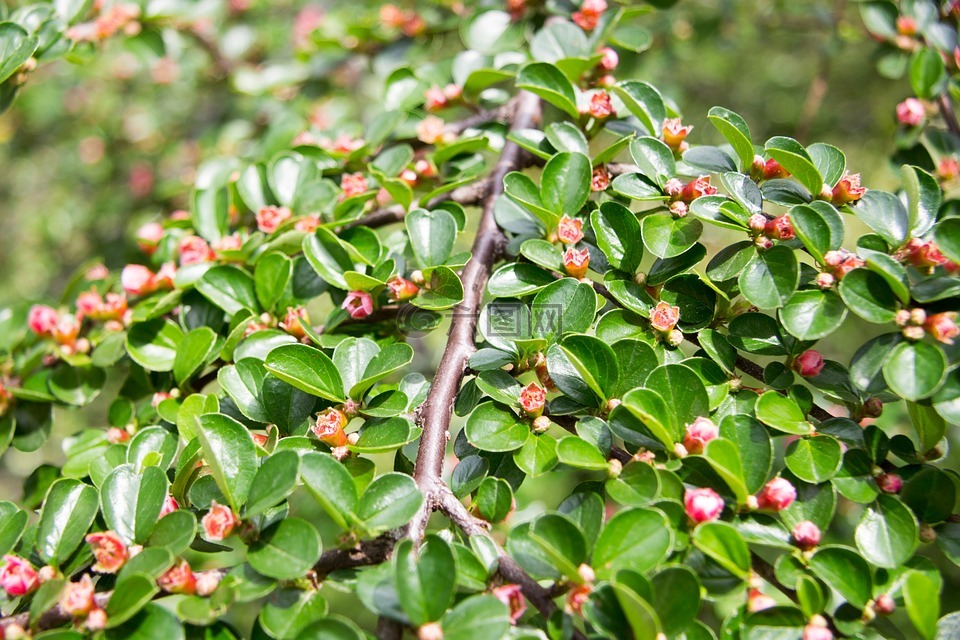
(434, 416)
(946, 110)
(388, 629)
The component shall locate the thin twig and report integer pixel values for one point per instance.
(434, 416)
(946, 110)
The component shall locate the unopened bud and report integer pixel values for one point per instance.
(586, 573)
(884, 605)
(47, 573)
(640, 278)
(757, 222)
(614, 468)
(679, 450)
(675, 338)
(826, 193)
(825, 280)
(763, 242)
(14, 632)
(873, 407)
(918, 316)
(430, 631)
(927, 534)
(913, 333)
(541, 424)
(678, 209)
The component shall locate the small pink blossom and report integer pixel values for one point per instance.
(353, 184)
(533, 397)
(219, 522)
(18, 577)
(576, 262)
(699, 433)
(806, 535)
(776, 495)
(270, 218)
(109, 550)
(194, 249)
(910, 112)
(42, 319)
(512, 596)
(664, 316)
(570, 230)
(702, 505)
(359, 304)
(809, 364)
(77, 597)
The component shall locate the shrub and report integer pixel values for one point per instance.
(271, 446)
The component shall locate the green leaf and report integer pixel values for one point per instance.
(813, 314)
(432, 234)
(928, 424)
(594, 360)
(68, 511)
(947, 236)
(16, 47)
(819, 227)
(193, 352)
(538, 455)
(645, 102)
(755, 447)
(230, 288)
(653, 413)
(153, 344)
(270, 278)
(844, 570)
(722, 543)
(636, 187)
(885, 214)
(492, 427)
(229, 451)
(243, 382)
(734, 128)
(618, 235)
(275, 480)
(924, 198)
(425, 578)
(829, 161)
(561, 541)
(174, 531)
(548, 82)
(921, 594)
(887, 533)
(307, 369)
(770, 278)
(795, 159)
(13, 522)
(565, 183)
(131, 502)
(928, 75)
(137, 592)
(724, 457)
(654, 158)
(814, 459)
(868, 295)
(914, 370)
(494, 499)
(290, 611)
(286, 550)
(328, 256)
(76, 385)
(566, 136)
(635, 539)
(782, 414)
(389, 360)
(329, 482)
(390, 501)
(578, 453)
(668, 237)
(479, 617)
(683, 391)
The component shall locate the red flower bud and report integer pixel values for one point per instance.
(808, 364)
(137, 280)
(600, 105)
(194, 249)
(434, 99)
(109, 550)
(18, 577)
(674, 133)
(600, 179)
(77, 597)
(780, 228)
(948, 168)
(293, 321)
(884, 605)
(307, 224)
(401, 289)
(906, 26)
(219, 522)
(664, 316)
(577, 597)
(698, 434)
(353, 184)
(911, 112)
(576, 262)
(42, 319)
(696, 188)
(178, 579)
(776, 495)
(848, 190)
(149, 236)
(570, 230)
(758, 601)
(889, 482)
(170, 505)
(702, 505)
(773, 169)
(532, 399)
(806, 535)
(609, 59)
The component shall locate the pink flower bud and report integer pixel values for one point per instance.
(664, 316)
(178, 579)
(576, 262)
(776, 495)
(942, 326)
(329, 427)
(758, 601)
(77, 597)
(219, 522)
(532, 399)
(541, 424)
(600, 179)
(115, 435)
(430, 631)
(434, 99)
(848, 190)
(600, 105)
(757, 222)
(149, 236)
(293, 321)
(18, 577)
(207, 582)
(673, 188)
(884, 605)
(809, 364)
(194, 249)
(430, 130)
(512, 596)
(889, 482)
(359, 304)
(825, 280)
(817, 632)
(96, 620)
(699, 433)
(170, 505)
(773, 169)
(674, 133)
(165, 276)
(910, 112)
(109, 550)
(577, 597)
(401, 289)
(948, 168)
(570, 230)
(906, 26)
(353, 184)
(609, 60)
(586, 21)
(307, 224)
(270, 218)
(42, 319)
(678, 209)
(806, 535)
(702, 505)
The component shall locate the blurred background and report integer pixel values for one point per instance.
(116, 136)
